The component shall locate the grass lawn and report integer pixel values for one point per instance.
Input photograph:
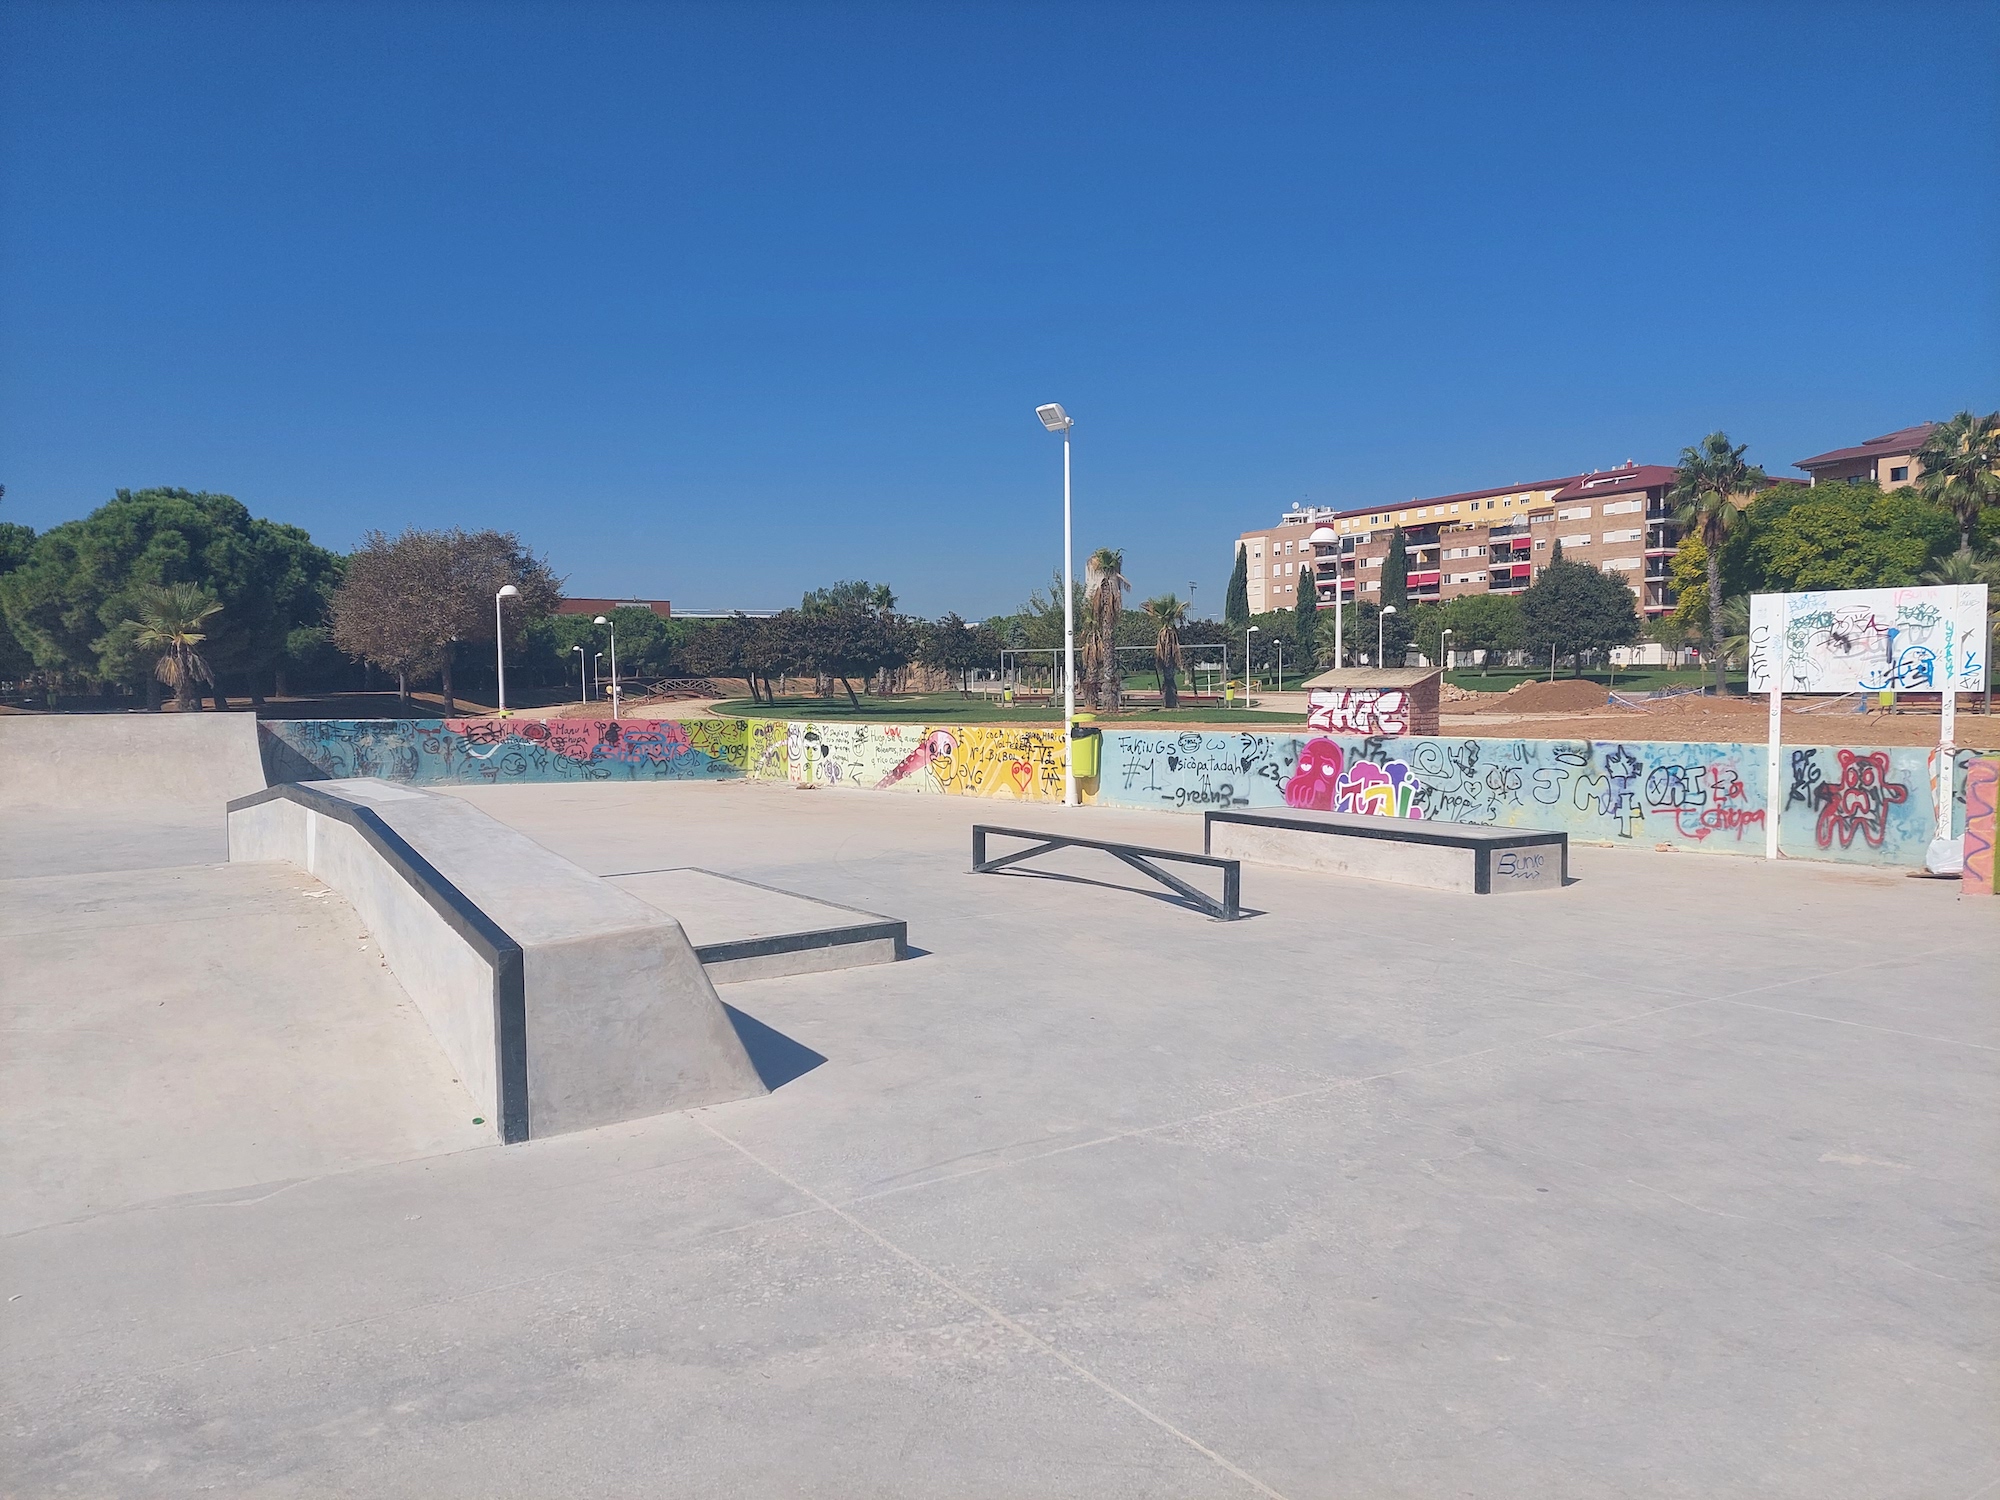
(1636, 680)
(950, 708)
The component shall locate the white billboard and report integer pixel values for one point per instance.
(1862, 640)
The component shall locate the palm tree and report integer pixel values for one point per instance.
(1104, 604)
(1711, 486)
(170, 621)
(1169, 615)
(1961, 469)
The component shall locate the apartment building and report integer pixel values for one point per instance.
(1889, 460)
(1478, 541)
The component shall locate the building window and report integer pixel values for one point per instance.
(1899, 473)
(1541, 542)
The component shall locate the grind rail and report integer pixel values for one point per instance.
(1228, 909)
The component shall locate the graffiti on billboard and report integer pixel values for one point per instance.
(1858, 640)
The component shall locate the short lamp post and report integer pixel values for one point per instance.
(507, 591)
(1444, 649)
(1248, 632)
(1381, 620)
(582, 674)
(600, 620)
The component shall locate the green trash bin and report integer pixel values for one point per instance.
(1086, 748)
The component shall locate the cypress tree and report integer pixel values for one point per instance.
(1305, 624)
(1236, 603)
(1396, 572)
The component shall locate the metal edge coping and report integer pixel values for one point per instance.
(510, 1008)
(1404, 831)
(804, 942)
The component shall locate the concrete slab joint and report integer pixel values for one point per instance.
(563, 1002)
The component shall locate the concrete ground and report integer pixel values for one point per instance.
(1678, 1182)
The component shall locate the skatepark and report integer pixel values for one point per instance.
(1672, 1180)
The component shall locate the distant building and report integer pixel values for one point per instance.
(661, 607)
(1474, 542)
(1889, 460)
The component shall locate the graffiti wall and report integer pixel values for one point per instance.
(1847, 803)
(473, 750)
(1025, 764)
(1839, 803)
(1359, 711)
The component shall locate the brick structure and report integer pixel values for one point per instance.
(1374, 700)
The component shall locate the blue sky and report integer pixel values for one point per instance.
(718, 303)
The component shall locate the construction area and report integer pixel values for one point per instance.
(842, 1170)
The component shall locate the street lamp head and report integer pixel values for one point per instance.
(508, 591)
(1253, 630)
(1388, 609)
(1054, 417)
(600, 620)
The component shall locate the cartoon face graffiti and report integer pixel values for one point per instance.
(1316, 781)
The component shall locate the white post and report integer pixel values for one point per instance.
(1339, 610)
(614, 671)
(500, 653)
(1947, 753)
(1069, 648)
(1774, 805)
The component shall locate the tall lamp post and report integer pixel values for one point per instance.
(507, 591)
(582, 674)
(1381, 620)
(1247, 633)
(600, 620)
(1057, 420)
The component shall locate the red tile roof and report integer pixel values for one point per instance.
(1903, 440)
(1616, 481)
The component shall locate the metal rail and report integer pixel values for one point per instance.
(1228, 909)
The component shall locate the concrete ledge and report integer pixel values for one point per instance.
(1464, 857)
(743, 930)
(565, 1002)
(106, 762)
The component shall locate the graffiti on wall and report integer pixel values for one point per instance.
(1874, 805)
(1982, 814)
(474, 750)
(1851, 804)
(1362, 711)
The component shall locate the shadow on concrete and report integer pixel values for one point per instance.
(776, 1057)
(1151, 893)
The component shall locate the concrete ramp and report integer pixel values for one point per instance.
(81, 793)
(562, 1001)
(110, 760)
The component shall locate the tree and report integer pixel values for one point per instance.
(951, 645)
(1855, 538)
(849, 630)
(16, 543)
(1488, 623)
(409, 603)
(1711, 485)
(1961, 469)
(169, 626)
(1169, 617)
(72, 600)
(1426, 630)
(1236, 603)
(1305, 625)
(1395, 592)
(1573, 608)
(1104, 593)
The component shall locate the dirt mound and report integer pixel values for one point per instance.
(1563, 696)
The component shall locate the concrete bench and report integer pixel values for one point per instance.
(1466, 857)
(562, 1001)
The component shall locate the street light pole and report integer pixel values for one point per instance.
(1381, 620)
(1248, 632)
(1339, 609)
(507, 591)
(600, 620)
(1057, 420)
(1444, 649)
(582, 675)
